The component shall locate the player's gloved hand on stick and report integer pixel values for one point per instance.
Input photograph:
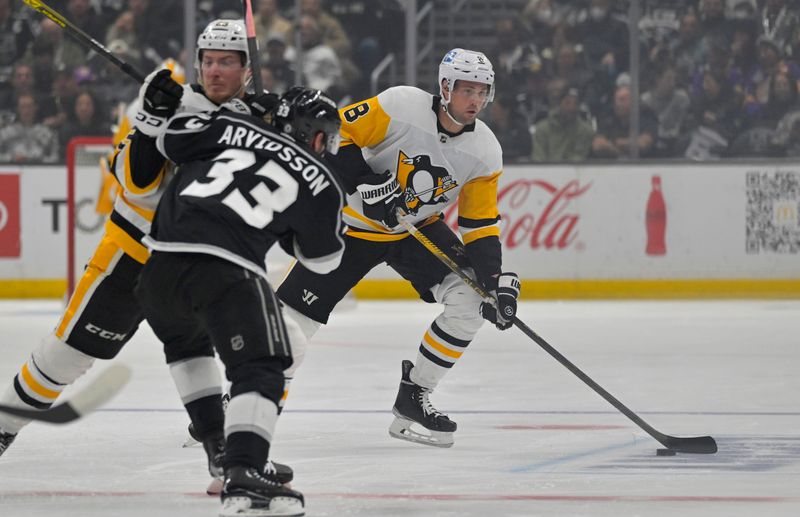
(380, 194)
(159, 98)
(505, 296)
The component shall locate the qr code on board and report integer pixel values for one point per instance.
(773, 212)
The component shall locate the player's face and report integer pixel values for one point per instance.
(223, 74)
(467, 99)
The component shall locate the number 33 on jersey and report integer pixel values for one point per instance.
(237, 172)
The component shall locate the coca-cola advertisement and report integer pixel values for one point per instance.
(536, 213)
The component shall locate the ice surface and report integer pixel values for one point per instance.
(533, 439)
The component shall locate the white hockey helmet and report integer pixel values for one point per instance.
(466, 65)
(223, 35)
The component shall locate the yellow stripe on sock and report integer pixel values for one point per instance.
(35, 386)
(440, 347)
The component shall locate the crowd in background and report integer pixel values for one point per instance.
(717, 78)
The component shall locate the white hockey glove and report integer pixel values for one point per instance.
(505, 296)
(380, 194)
(159, 98)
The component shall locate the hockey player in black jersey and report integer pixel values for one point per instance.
(241, 186)
(103, 298)
(419, 152)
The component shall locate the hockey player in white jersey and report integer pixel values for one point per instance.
(420, 153)
(102, 314)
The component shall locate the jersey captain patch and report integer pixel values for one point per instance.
(422, 182)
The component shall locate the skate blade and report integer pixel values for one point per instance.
(190, 442)
(402, 429)
(278, 507)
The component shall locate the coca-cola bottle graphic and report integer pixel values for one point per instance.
(656, 220)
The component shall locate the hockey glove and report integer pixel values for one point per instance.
(380, 194)
(159, 98)
(505, 297)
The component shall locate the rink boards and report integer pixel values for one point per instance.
(568, 231)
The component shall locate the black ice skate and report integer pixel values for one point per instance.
(5, 441)
(413, 407)
(215, 450)
(247, 492)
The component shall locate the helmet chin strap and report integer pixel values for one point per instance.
(445, 105)
(451, 117)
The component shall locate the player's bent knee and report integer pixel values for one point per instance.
(263, 376)
(461, 316)
(300, 329)
(59, 361)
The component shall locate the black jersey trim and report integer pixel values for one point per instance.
(126, 226)
(464, 222)
(441, 334)
(437, 102)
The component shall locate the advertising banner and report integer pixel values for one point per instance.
(9, 215)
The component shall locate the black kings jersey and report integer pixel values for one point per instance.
(241, 186)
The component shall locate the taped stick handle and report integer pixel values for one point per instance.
(252, 47)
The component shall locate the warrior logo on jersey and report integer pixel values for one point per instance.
(422, 182)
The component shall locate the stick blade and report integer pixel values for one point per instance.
(97, 393)
(695, 445)
(101, 390)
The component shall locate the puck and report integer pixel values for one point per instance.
(665, 452)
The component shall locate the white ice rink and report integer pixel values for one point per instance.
(533, 440)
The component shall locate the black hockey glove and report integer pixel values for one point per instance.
(159, 98)
(262, 104)
(380, 194)
(505, 297)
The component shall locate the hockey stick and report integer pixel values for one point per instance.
(252, 47)
(83, 38)
(695, 445)
(98, 392)
(86, 40)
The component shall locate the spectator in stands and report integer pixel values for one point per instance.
(22, 81)
(712, 19)
(512, 52)
(268, 21)
(786, 138)
(123, 31)
(159, 29)
(689, 48)
(563, 136)
(331, 32)
(83, 15)
(778, 22)
(781, 100)
(605, 44)
(25, 140)
(321, 67)
(113, 85)
(331, 35)
(770, 62)
(613, 130)
(544, 16)
(510, 126)
(375, 29)
(714, 119)
(16, 35)
(670, 103)
(278, 62)
(86, 117)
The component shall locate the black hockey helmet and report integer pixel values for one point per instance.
(303, 112)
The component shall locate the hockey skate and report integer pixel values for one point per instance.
(247, 493)
(5, 441)
(215, 450)
(413, 407)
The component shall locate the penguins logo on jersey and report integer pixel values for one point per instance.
(422, 182)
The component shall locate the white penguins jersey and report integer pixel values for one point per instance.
(398, 131)
(135, 206)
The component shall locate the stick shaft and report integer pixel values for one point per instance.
(252, 46)
(83, 38)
